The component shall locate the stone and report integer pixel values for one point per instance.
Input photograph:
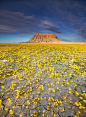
(48, 113)
(21, 100)
(41, 108)
(43, 102)
(32, 111)
(17, 110)
(4, 60)
(32, 106)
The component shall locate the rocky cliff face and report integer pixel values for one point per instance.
(44, 38)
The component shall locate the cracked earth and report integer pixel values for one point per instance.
(45, 88)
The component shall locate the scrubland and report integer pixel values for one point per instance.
(42, 80)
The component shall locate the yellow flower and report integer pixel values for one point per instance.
(13, 107)
(85, 111)
(84, 101)
(23, 105)
(43, 115)
(32, 115)
(28, 102)
(20, 115)
(57, 88)
(60, 102)
(6, 109)
(49, 89)
(2, 87)
(54, 114)
(78, 113)
(70, 92)
(26, 107)
(57, 82)
(11, 112)
(63, 110)
(81, 98)
(64, 98)
(43, 111)
(53, 90)
(0, 102)
(69, 107)
(10, 101)
(71, 102)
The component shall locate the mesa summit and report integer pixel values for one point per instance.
(44, 38)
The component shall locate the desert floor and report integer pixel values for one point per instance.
(42, 80)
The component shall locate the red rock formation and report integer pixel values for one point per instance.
(44, 38)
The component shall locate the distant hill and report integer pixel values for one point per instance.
(44, 38)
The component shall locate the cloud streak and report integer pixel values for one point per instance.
(19, 23)
(82, 32)
(49, 26)
(15, 22)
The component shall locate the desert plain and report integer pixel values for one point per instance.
(43, 80)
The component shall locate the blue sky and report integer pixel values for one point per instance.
(21, 19)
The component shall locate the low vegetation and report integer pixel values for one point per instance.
(42, 80)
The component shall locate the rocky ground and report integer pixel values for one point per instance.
(44, 90)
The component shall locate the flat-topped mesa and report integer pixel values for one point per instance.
(44, 38)
(45, 34)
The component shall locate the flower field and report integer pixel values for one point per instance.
(42, 80)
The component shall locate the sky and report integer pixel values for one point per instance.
(21, 19)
